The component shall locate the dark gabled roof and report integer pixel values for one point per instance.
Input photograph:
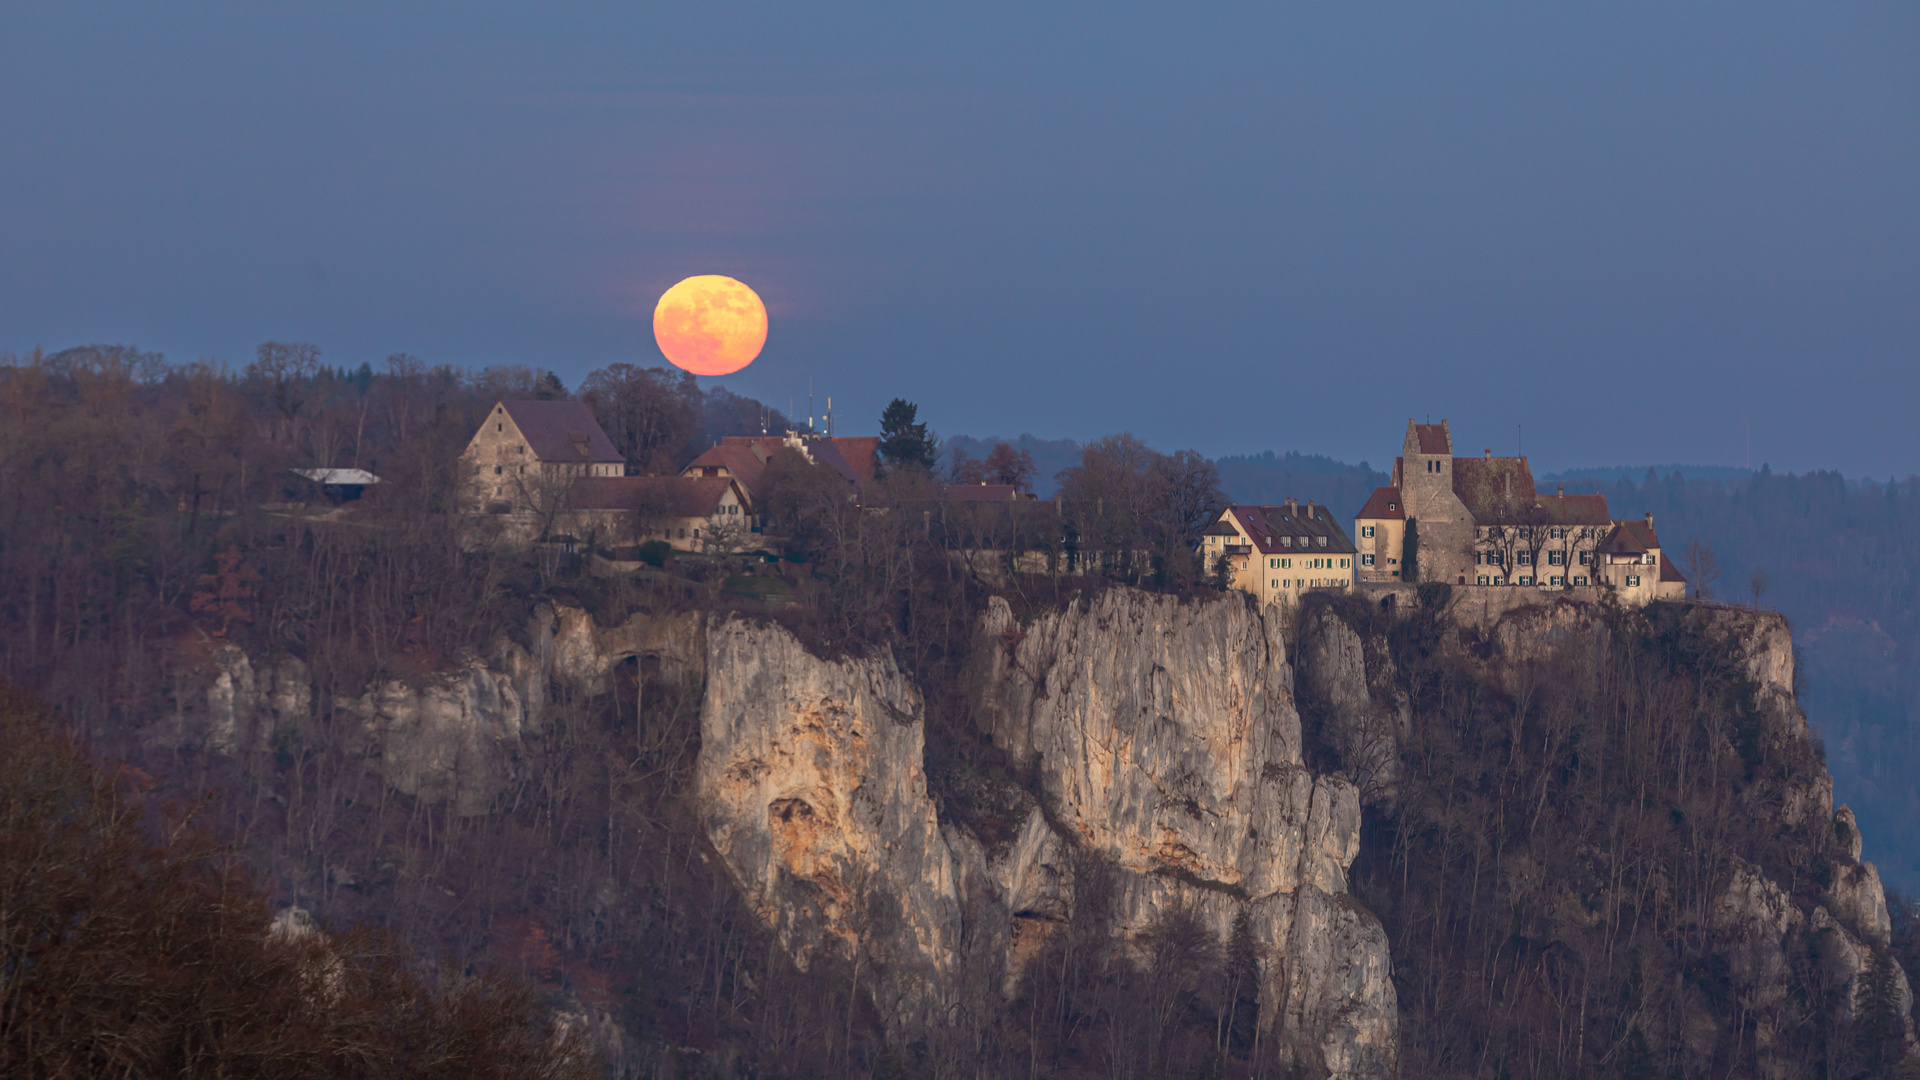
(741, 462)
(979, 492)
(1670, 572)
(1220, 528)
(1433, 438)
(1385, 503)
(1630, 538)
(562, 431)
(666, 496)
(1500, 491)
(1563, 509)
(1494, 489)
(1270, 525)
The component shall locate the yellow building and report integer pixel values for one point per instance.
(1379, 532)
(1631, 561)
(1279, 552)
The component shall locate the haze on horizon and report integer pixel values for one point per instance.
(1634, 229)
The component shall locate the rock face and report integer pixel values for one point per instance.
(1361, 715)
(1168, 743)
(449, 737)
(1167, 748)
(810, 784)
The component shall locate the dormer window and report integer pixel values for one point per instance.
(1323, 541)
(1286, 541)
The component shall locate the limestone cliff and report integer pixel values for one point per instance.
(1206, 756)
(1167, 746)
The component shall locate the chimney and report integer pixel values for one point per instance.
(1560, 490)
(1291, 510)
(1489, 453)
(1649, 519)
(1309, 509)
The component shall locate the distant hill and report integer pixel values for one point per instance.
(1614, 474)
(1269, 478)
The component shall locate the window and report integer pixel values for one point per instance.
(1586, 558)
(1286, 564)
(1343, 564)
(1556, 558)
(1557, 581)
(1633, 580)
(1366, 530)
(496, 470)
(1498, 580)
(1366, 560)
(1286, 541)
(1526, 580)
(1275, 583)
(1482, 580)
(1648, 559)
(1273, 564)
(1323, 541)
(1580, 581)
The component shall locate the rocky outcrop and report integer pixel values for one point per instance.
(1167, 743)
(1168, 750)
(810, 786)
(453, 736)
(1359, 713)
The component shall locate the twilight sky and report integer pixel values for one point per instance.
(1633, 228)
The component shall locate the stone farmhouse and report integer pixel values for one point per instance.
(525, 450)
(1477, 522)
(547, 469)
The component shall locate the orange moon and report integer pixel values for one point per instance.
(710, 325)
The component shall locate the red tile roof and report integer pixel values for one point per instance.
(1631, 538)
(562, 431)
(1670, 572)
(667, 496)
(824, 451)
(740, 462)
(860, 452)
(1433, 438)
(1385, 503)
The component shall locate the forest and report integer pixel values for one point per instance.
(151, 518)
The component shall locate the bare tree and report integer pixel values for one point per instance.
(1758, 583)
(1702, 567)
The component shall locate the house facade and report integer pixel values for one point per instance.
(692, 514)
(1280, 552)
(527, 453)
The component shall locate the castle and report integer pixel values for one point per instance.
(1466, 521)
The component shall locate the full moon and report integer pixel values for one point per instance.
(710, 325)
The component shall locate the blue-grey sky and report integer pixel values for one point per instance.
(1636, 229)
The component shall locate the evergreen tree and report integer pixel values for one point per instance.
(904, 443)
